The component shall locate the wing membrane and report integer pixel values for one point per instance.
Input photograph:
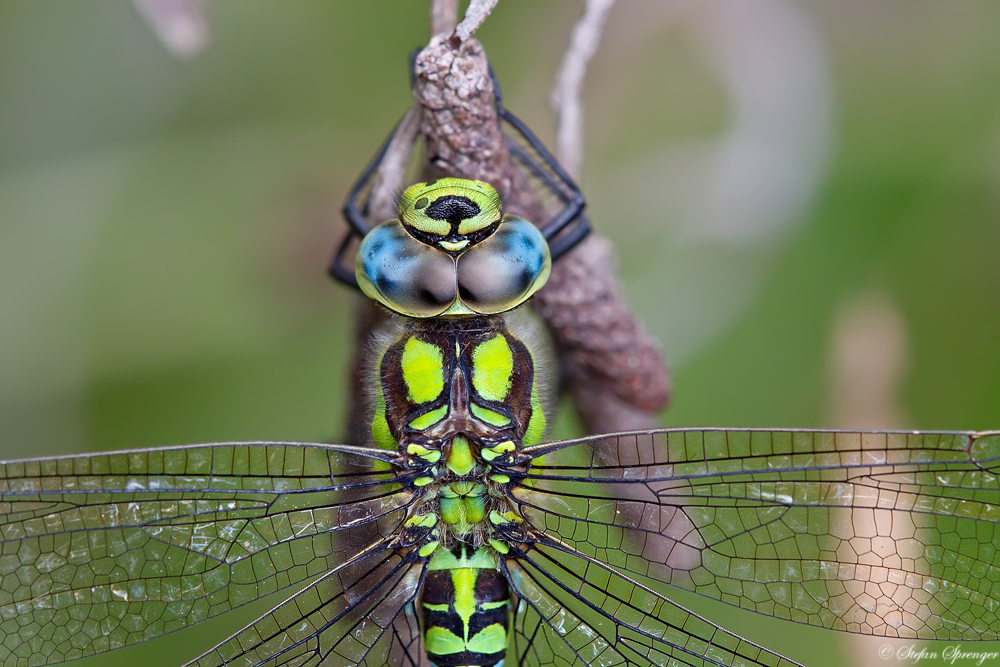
(875, 533)
(352, 617)
(574, 611)
(105, 550)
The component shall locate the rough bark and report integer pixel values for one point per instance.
(612, 368)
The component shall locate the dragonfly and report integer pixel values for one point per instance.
(458, 537)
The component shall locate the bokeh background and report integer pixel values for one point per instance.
(804, 195)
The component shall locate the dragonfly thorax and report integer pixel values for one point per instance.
(482, 379)
(454, 397)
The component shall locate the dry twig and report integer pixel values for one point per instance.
(617, 377)
(444, 16)
(568, 92)
(388, 180)
(477, 12)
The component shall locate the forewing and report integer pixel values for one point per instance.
(359, 615)
(876, 533)
(574, 611)
(105, 550)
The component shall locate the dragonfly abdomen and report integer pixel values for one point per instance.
(465, 608)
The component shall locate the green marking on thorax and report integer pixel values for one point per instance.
(489, 416)
(423, 370)
(486, 606)
(428, 549)
(492, 368)
(536, 424)
(491, 453)
(498, 518)
(465, 488)
(381, 433)
(462, 504)
(429, 455)
(440, 641)
(425, 520)
(460, 459)
(428, 419)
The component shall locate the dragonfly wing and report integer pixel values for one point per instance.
(574, 611)
(355, 616)
(881, 533)
(105, 550)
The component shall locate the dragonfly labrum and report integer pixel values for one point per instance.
(457, 537)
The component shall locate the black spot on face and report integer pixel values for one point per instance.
(452, 208)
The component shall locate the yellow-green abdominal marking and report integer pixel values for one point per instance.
(465, 608)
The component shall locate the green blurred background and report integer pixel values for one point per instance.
(782, 180)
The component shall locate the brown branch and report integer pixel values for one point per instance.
(613, 368)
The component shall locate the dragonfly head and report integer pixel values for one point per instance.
(452, 253)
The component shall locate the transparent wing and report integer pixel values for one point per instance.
(877, 533)
(359, 615)
(105, 550)
(574, 611)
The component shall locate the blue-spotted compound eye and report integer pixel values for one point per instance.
(503, 271)
(403, 274)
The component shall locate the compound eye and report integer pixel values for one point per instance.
(504, 271)
(403, 274)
